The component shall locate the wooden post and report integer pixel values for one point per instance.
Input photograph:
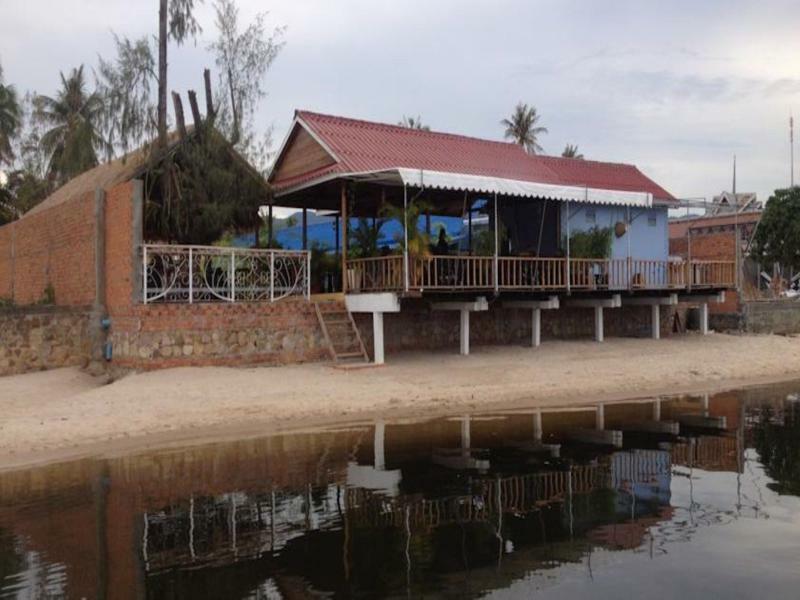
(269, 227)
(469, 229)
(496, 246)
(343, 213)
(305, 228)
(405, 237)
(567, 265)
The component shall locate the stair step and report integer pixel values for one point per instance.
(338, 322)
(349, 355)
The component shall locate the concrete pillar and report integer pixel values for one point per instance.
(600, 418)
(655, 321)
(464, 331)
(705, 403)
(378, 442)
(704, 318)
(656, 410)
(598, 323)
(536, 327)
(377, 337)
(466, 440)
(537, 426)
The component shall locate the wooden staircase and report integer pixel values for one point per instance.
(340, 332)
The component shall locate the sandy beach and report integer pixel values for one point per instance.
(66, 413)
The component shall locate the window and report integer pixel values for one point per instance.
(590, 216)
(652, 221)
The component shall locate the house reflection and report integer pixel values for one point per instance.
(471, 503)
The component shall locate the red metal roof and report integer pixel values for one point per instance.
(365, 146)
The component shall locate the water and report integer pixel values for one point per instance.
(486, 505)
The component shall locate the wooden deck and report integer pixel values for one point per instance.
(525, 274)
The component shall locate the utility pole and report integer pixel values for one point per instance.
(791, 150)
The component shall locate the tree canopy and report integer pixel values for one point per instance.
(777, 238)
(522, 127)
(74, 118)
(571, 151)
(413, 123)
(10, 116)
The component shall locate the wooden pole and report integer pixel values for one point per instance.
(305, 228)
(343, 213)
(469, 229)
(496, 246)
(269, 227)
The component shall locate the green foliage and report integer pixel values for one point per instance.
(364, 237)
(592, 243)
(74, 118)
(200, 191)
(413, 123)
(22, 192)
(522, 128)
(243, 58)
(323, 262)
(48, 295)
(418, 241)
(777, 238)
(10, 118)
(571, 151)
(125, 84)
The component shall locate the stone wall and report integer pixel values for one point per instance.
(34, 338)
(417, 327)
(761, 316)
(156, 336)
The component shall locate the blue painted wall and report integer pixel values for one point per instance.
(649, 230)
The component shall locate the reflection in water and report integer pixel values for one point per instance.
(540, 501)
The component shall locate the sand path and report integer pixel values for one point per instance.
(56, 414)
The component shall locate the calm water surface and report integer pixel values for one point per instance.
(690, 497)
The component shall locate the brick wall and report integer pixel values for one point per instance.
(157, 336)
(416, 327)
(120, 269)
(55, 248)
(719, 245)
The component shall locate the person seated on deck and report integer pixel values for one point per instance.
(442, 248)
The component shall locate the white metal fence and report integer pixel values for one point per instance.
(187, 274)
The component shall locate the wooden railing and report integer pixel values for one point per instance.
(451, 273)
(712, 273)
(523, 273)
(519, 273)
(379, 274)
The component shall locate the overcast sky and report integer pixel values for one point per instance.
(675, 87)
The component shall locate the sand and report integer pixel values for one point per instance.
(66, 413)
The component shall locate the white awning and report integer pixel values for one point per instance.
(513, 187)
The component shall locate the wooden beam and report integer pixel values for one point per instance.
(343, 213)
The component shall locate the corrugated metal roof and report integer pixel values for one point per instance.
(365, 146)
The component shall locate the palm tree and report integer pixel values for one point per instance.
(521, 128)
(571, 151)
(10, 116)
(413, 123)
(74, 118)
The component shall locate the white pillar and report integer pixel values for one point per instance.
(655, 316)
(656, 410)
(537, 426)
(378, 442)
(377, 337)
(705, 403)
(464, 331)
(536, 327)
(704, 318)
(600, 418)
(465, 433)
(598, 323)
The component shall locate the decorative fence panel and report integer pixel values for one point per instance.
(188, 274)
